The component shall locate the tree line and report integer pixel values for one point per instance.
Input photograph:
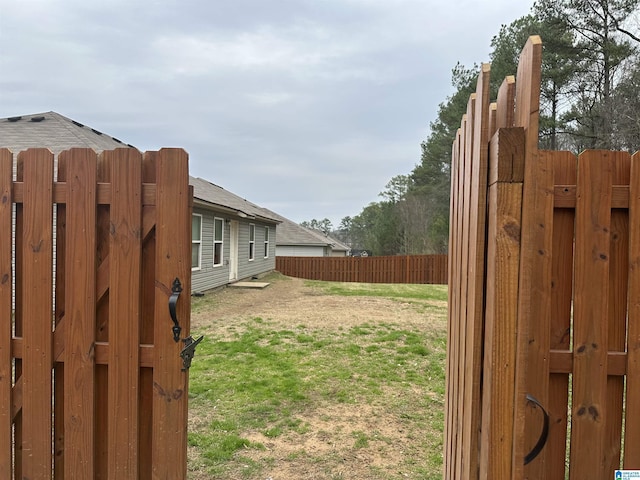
(589, 100)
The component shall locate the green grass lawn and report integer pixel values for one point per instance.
(266, 387)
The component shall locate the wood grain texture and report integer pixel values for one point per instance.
(6, 314)
(505, 112)
(477, 258)
(38, 309)
(592, 258)
(500, 331)
(125, 226)
(170, 383)
(564, 172)
(632, 419)
(80, 273)
(617, 314)
(534, 307)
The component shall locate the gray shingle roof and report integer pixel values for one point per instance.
(57, 133)
(53, 131)
(291, 233)
(210, 194)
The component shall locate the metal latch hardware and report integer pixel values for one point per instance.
(189, 351)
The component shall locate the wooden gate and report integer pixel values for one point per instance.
(544, 322)
(91, 380)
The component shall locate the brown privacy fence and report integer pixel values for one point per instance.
(544, 314)
(386, 269)
(91, 380)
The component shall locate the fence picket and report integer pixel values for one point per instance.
(617, 314)
(564, 168)
(592, 257)
(172, 254)
(38, 308)
(632, 422)
(80, 280)
(59, 342)
(6, 315)
(124, 311)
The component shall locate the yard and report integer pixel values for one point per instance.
(318, 380)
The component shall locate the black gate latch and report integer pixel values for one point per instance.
(189, 351)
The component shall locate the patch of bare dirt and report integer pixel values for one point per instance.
(288, 301)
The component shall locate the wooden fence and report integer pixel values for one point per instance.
(386, 269)
(544, 314)
(91, 379)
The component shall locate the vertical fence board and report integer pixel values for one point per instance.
(505, 111)
(146, 329)
(80, 273)
(534, 307)
(632, 418)
(6, 313)
(617, 314)
(38, 308)
(452, 301)
(59, 314)
(593, 217)
(18, 323)
(464, 290)
(124, 312)
(477, 254)
(172, 247)
(564, 168)
(101, 411)
(503, 263)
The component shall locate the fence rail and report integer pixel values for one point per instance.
(386, 269)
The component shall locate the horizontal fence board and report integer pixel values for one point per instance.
(423, 269)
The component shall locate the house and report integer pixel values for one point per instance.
(232, 238)
(294, 240)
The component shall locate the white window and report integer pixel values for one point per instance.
(252, 241)
(218, 236)
(266, 242)
(196, 241)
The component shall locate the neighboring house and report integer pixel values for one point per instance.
(232, 238)
(294, 240)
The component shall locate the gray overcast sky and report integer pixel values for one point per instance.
(306, 107)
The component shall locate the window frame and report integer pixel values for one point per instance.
(197, 242)
(219, 243)
(252, 242)
(266, 241)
